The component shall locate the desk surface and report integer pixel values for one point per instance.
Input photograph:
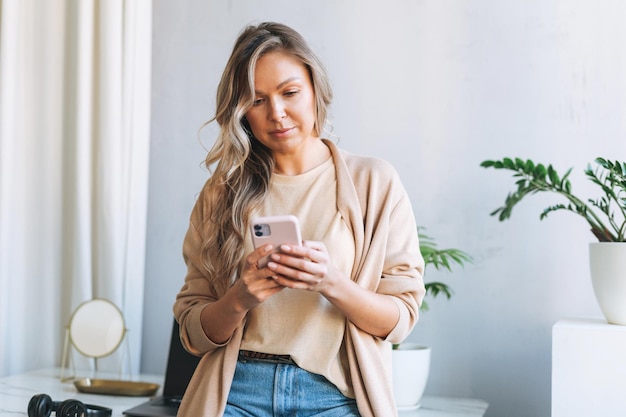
(17, 390)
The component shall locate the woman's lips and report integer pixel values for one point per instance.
(281, 132)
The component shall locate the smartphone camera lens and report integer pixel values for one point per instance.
(261, 229)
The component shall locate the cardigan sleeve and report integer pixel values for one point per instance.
(403, 268)
(197, 290)
(374, 200)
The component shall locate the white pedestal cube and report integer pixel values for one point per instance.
(588, 369)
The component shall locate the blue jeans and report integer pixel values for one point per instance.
(262, 389)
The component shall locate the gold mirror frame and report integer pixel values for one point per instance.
(96, 329)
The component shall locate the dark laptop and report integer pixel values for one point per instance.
(180, 367)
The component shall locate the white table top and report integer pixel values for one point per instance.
(17, 390)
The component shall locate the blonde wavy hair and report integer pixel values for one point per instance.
(241, 166)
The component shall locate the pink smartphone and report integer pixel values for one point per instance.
(276, 230)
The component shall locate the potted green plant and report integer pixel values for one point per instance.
(605, 215)
(411, 361)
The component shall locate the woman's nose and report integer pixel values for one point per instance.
(277, 111)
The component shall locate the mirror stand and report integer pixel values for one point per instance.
(96, 329)
(67, 362)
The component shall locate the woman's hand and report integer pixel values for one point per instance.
(254, 286)
(306, 267)
(309, 267)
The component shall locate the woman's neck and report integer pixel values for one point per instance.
(302, 161)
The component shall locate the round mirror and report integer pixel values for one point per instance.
(97, 328)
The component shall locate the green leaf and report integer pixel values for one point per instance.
(540, 171)
(436, 288)
(554, 177)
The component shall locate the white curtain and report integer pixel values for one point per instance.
(74, 153)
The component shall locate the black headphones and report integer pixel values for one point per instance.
(41, 405)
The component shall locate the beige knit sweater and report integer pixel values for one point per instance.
(375, 205)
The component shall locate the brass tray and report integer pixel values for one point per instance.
(116, 387)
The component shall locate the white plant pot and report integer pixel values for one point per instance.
(607, 261)
(411, 366)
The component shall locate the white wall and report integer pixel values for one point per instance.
(435, 87)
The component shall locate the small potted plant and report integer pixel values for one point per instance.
(605, 215)
(411, 361)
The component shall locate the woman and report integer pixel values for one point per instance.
(311, 332)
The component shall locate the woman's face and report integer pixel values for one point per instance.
(283, 114)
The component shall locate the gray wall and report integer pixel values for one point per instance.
(435, 87)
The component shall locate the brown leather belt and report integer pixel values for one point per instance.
(265, 357)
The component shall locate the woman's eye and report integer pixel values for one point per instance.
(291, 93)
(257, 101)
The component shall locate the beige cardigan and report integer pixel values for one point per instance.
(376, 207)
